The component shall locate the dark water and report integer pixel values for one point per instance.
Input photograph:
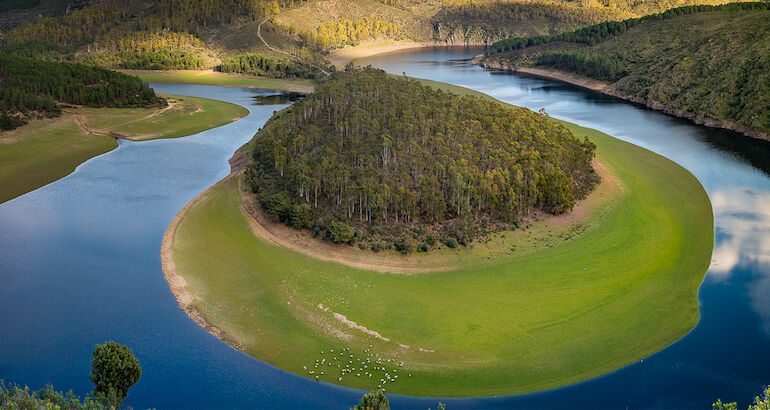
(80, 265)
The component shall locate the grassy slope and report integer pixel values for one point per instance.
(624, 289)
(206, 77)
(46, 150)
(183, 118)
(691, 63)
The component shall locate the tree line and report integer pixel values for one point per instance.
(595, 66)
(264, 65)
(599, 32)
(35, 87)
(114, 370)
(6, 5)
(161, 37)
(349, 32)
(376, 151)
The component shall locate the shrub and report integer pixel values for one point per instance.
(339, 232)
(376, 246)
(430, 240)
(375, 400)
(403, 245)
(451, 242)
(114, 369)
(299, 216)
(277, 206)
(424, 247)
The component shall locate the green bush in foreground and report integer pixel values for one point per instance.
(374, 400)
(114, 369)
(761, 402)
(16, 397)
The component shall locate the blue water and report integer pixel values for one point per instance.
(80, 265)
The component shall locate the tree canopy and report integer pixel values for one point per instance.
(35, 87)
(379, 151)
(114, 369)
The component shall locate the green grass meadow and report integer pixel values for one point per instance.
(45, 150)
(623, 289)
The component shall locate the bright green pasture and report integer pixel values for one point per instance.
(207, 77)
(623, 289)
(45, 150)
(184, 116)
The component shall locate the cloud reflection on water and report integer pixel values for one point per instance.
(743, 241)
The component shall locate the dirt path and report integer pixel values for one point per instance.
(301, 241)
(80, 120)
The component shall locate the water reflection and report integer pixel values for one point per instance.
(743, 231)
(79, 265)
(278, 97)
(728, 353)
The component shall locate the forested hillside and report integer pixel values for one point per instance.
(198, 34)
(710, 64)
(33, 88)
(370, 155)
(471, 22)
(168, 34)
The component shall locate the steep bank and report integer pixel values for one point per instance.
(707, 64)
(608, 89)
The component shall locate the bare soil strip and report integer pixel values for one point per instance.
(301, 241)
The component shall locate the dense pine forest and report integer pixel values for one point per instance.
(33, 88)
(708, 63)
(369, 155)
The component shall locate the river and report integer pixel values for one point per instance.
(80, 264)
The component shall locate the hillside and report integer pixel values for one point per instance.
(200, 34)
(34, 88)
(375, 156)
(708, 64)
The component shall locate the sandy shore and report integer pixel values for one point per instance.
(345, 55)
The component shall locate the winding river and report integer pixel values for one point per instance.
(80, 264)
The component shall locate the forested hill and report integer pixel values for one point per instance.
(384, 153)
(710, 64)
(201, 34)
(32, 88)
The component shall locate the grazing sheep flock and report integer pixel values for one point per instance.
(347, 364)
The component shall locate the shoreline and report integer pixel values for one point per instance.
(340, 57)
(607, 89)
(176, 282)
